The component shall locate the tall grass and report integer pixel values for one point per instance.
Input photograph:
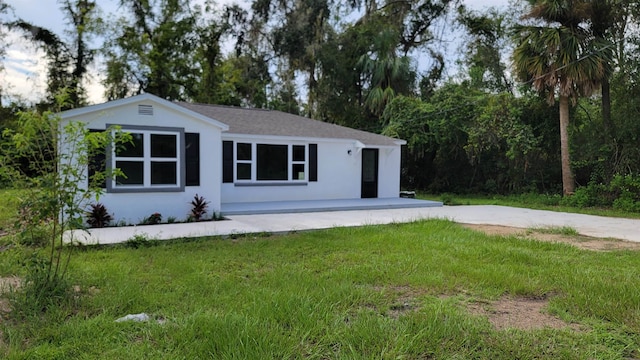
(396, 291)
(9, 199)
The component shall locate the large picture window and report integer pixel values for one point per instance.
(153, 160)
(264, 163)
(272, 162)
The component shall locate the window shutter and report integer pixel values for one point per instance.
(227, 161)
(97, 163)
(192, 159)
(313, 162)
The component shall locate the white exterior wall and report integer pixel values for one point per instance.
(389, 172)
(339, 174)
(132, 207)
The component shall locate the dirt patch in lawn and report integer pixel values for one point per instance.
(6, 284)
(580, 241)
(519, 313)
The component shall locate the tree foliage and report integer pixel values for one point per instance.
(465, 140)
(68, 61)
(48, 161)
(153, 50)
(562, 56)
(380, 65)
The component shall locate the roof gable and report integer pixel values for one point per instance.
(143, 99)
(248, 121)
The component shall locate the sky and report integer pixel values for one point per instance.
(25, 71)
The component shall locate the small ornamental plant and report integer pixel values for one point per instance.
(153, 219)
(98, 216)
(198, 208)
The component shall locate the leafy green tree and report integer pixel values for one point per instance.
(436, 132)
(385, 71)
(561, 56)
(394, 30)
(466, 140)
(295, 31)
(487, 35)
(68, 62)
(55, 190)
(153, 50)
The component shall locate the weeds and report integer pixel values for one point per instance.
(139, 241)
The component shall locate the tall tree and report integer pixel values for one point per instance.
(561, 56)
(4, 7)
(153, 50)
(487, 36)
(386, 72)
(68, 61)
(82, 16)
(297, 29)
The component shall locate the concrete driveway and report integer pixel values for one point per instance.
(589, 225)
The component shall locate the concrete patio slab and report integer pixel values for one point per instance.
(596, 226)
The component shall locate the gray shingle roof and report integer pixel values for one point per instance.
(271, 122)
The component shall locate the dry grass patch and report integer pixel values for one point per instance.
(579, 241)
(520, 313)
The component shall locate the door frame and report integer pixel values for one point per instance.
(369, 188)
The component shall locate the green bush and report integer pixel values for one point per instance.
(622, 193)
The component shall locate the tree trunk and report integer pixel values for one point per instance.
(609, 131)
(568, 182)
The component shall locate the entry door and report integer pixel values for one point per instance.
(369, 173)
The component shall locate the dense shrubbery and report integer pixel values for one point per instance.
(622, 193)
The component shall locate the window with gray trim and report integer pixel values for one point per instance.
(152, 161)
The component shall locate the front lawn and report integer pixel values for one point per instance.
(9, 200)
(407, 291)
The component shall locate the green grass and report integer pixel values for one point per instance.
(8, 208)
(557, 230)
(530, 201)
(334, 294)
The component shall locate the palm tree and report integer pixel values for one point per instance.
(561, 57)
(388, 73)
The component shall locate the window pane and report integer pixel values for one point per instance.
(133, 149)
(298, 152)
(163, 172)
(134, 170)
(244, 172)
(272, 162)
(244, 151)
(297, 170)
(163, 146)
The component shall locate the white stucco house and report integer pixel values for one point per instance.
(234, 155)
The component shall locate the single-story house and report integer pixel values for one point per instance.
(233, 155)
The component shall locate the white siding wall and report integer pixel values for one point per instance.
(389, 173)
(133, 207)
(339, 176)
